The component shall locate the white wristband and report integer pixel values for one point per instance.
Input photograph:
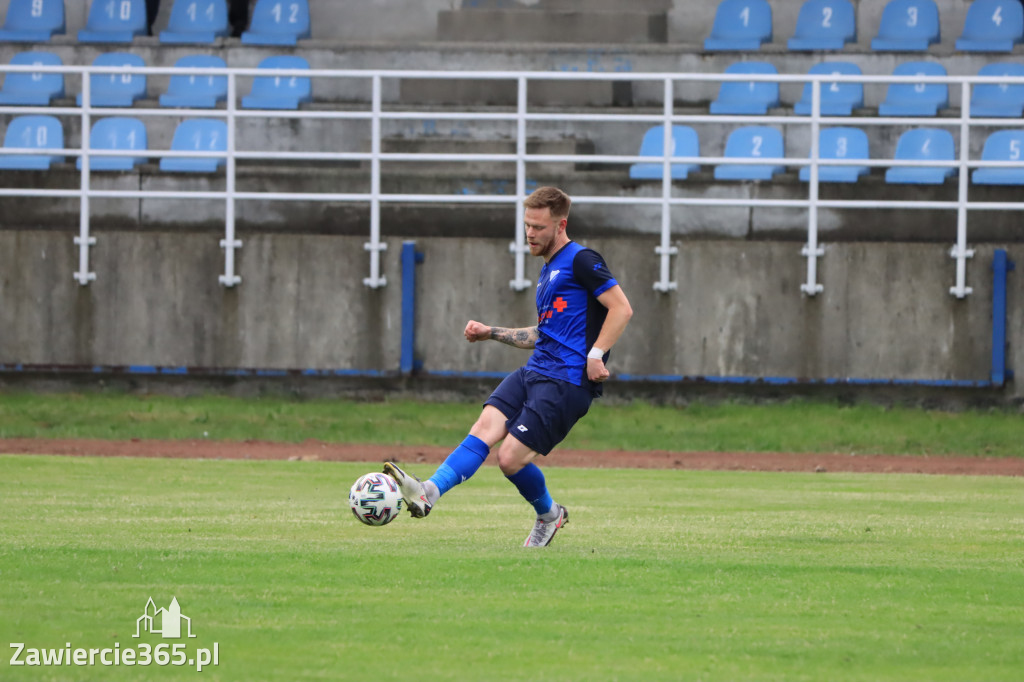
(596, 353)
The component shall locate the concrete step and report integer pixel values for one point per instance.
(570, 5)
(650, 6)
(454, 145)
(417, 91)
(556, 26)
(728, 221)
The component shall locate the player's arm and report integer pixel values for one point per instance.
(523, 337)
(619, 313)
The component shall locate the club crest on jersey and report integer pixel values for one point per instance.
(551, 277)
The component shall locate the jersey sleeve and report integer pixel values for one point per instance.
(592, 273)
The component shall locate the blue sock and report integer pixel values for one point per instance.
(530, 482)
(460, 464)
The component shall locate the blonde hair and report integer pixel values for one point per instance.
(551, 198)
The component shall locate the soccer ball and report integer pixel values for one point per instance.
(375, 499)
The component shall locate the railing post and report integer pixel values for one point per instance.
(84, 240)
(375, 245)
(960, 251)
(665, 250)
(811, 249)
(230, 243)
(518, 246)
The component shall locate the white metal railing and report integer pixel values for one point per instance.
(522, 116)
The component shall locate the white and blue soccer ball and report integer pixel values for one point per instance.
(375, 499)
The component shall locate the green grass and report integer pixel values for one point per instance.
(661, 575)
(795, 426)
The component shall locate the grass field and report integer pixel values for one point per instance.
(661, 575)
(794, 426)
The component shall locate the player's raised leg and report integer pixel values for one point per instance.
(458, 467)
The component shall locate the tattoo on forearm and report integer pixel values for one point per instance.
(525, 337)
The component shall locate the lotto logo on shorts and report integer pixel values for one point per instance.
(522, 428)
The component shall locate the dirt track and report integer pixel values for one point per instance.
(657, 459)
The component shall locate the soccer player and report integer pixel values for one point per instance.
(581, 313)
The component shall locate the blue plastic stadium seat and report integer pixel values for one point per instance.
(116, 133)
(116, 89)
(278, 22)
(196, 21)
(740, 25)
(908, 26)
(747, 97)
(840, 143)
(684, 143)
(752, 142)
(32, 132)
(824, 25)
(1002, 145)
(34, 89)
(196, 90)
(837, 98)
(998, 99)
(33, 21)
(916, 99)
(197, 134)
(923, 144)
(992, 26)
(114, 21)
(279, 92)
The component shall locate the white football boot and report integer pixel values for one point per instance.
(544, 531)
(412, 490)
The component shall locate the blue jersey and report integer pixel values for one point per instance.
(569, 316)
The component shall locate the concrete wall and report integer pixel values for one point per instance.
(885, 312)
(158, 302)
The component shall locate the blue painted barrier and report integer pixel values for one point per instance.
(410, 257)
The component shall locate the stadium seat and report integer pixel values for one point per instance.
(279, 92)
(740, 25)
(747, 97)
(196, 90)
(684, 143)
(197, 134)
(37, 89)
(998, 99)
(824, 25)
(752, 142)
(908, 26)
(196, 21)
(923, 144)
(916, 99)
(278, 22)
(114, 21)
(839, 143)
(992, 26)
(837, 99)
(32, 132)
(1002, 145)
(116, 133)
(32, 21)
(116, 89)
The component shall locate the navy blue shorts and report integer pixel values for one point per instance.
(539, 411)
